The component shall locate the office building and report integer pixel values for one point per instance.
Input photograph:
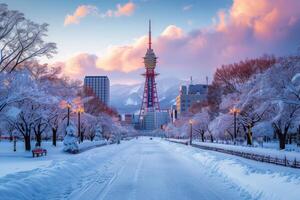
(100, 87)
(194, 93)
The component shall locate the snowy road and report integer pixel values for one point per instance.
(150, 169)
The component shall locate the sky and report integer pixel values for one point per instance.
(190, 38)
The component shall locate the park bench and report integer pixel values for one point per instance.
(38, 152)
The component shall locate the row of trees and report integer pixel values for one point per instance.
(36, 106)
(264, 94)
(38, 101)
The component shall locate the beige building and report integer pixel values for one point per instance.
(188, 96)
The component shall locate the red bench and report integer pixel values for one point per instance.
(38, 152)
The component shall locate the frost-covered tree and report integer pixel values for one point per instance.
(71, 140)
(98, 133)
(21, 40)
(200, 123)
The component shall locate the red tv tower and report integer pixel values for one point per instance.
(150, 99)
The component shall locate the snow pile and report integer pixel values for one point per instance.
(71, 140)
(255, 150)
(59, 178)
(261, 180)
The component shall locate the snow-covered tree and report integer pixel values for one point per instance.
(21, 40)
(98, 133)
(200, 122)
(71, 140)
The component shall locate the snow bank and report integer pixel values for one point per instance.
(261, 180)
(281, 154)
(52, 179)
(290, 155)
(21, 160)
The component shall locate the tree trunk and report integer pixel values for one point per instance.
(27, 142)
(282, 138)
(211, 138)
(54, 131)
(202, 137)
(249, 137)
(81, 136)
(38, 139)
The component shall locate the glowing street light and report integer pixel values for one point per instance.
(234, 111)
(66, 104)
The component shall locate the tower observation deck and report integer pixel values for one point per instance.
(150, 101)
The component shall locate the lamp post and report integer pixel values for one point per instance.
(15, 143)
(191, 131)
(80, 136)
(235, 111)
(68, 107)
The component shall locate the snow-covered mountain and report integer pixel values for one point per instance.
(128, 98)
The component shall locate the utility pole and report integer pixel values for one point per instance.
(234, 114)
(79, 126)
(68, 122)
(191, 131)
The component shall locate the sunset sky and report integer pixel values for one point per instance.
(190, 37)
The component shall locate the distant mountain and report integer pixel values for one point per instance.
(128, 98)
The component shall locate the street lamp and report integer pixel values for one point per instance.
(191, 131)
(80, 136)
(235, 111)
(68, 107)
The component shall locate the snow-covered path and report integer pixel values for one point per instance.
(150, 169)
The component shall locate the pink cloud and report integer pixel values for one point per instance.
(247, 29)
(267, 19)
(172, 32)
(80, 12)
(78, 64)
(124, 58)
(84, 64)
(126, 9)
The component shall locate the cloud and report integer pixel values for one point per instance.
(127, 9)
(84, 10)
(121, 10)
(124, 58)
(80, 12)
(84, 64)
(247, 29)
(172, 32)
(187, 7)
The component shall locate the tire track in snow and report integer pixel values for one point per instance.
(135, 177)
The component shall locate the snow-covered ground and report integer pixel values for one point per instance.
(21, 160)
(147, 169)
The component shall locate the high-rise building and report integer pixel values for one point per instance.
(194, 93)
(100, 87)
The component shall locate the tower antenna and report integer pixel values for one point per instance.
(149, 33)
